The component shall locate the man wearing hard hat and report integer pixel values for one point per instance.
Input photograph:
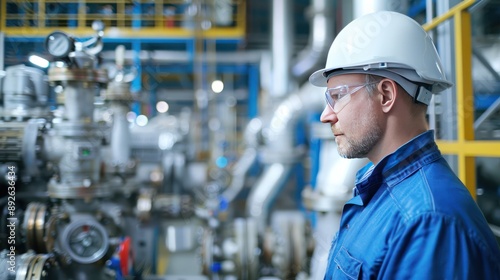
(410, 217)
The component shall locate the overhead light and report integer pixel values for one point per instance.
(217, 86)
(162, 107)
(141, 120)
(39, 61)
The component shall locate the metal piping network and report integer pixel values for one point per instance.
(279, 152)
(81, 230)
(79, 160)
(74, 144)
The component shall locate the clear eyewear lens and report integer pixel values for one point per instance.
(338, 97)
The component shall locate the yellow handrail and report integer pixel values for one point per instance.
(34, 20)
(465, 147)
(452, 12)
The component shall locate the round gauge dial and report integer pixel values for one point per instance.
(59, 44)
(98, 25)
(85, 241)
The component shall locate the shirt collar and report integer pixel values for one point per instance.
(397, 166)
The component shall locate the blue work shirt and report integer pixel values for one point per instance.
(412, 218)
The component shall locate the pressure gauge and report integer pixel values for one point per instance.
(98, 25)
(85, 241)
(59, 44)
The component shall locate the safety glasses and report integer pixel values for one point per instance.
(338, 97)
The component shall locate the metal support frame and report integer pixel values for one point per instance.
(77, 20)
(465, 147)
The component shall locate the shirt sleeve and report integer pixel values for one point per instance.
(436, 246)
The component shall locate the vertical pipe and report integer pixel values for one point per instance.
(200, 80)
(253, 91)
(322, 32)
(120, 139)
(282, 42)
(363, 7)
(137, 82)
(2, 50)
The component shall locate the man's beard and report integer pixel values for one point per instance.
(359, 148)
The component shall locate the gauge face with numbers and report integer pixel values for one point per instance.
(59, 44)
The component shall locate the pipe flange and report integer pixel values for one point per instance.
(40, 268)
(24, 265)
(34, 226)
(118, 91)
(83, 190)
(62, 74)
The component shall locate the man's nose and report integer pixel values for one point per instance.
(328, 116)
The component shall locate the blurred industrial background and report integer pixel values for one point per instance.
(180, 139)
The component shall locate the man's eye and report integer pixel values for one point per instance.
(340, 96)
(335, 97)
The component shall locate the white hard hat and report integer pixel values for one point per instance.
(386, 43)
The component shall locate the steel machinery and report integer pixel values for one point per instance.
(63, 220)
(100, 197)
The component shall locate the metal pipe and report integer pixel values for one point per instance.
(322, 32)
(477, 53)
(120, 137)
(362, 7)
(251, 137)
(488, 113)
(265, 191)
(241, 168)
(2, 51)
(281, 44)
(280, 152)
(168, 57)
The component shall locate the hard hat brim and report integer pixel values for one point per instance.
(318, 78)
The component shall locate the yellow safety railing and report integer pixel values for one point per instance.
(465, 147)
(124, 18)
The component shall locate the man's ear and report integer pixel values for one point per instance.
(388, 92)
